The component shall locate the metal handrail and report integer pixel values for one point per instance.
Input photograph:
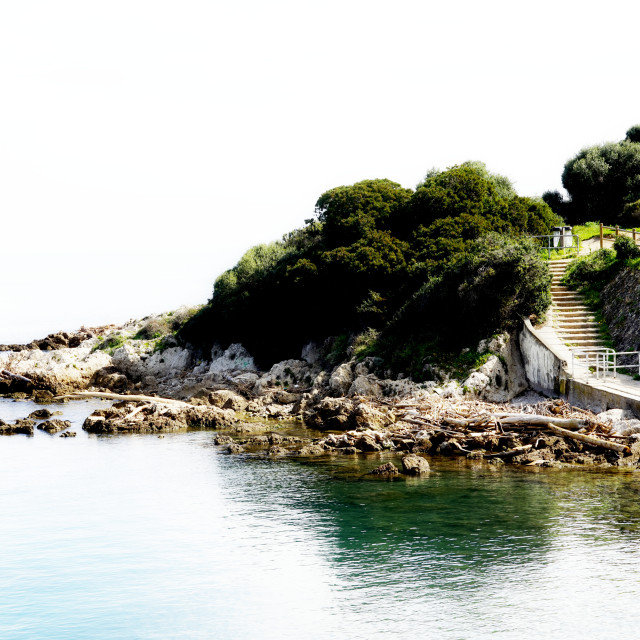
(603, 360)
(561, 242)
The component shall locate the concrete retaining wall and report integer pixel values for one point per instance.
(547, 373)
(545, 370)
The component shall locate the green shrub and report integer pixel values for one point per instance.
(626, 248)
(489, 288)
(592, 271)
(373, 247)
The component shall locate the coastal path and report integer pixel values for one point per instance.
(575, 338)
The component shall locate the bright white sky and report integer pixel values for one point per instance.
(145, 145)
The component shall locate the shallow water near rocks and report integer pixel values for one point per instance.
(147, 537)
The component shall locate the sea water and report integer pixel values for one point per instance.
(145, 537)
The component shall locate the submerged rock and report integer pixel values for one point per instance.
(388, 469)
(20, 426)
(234, 448)
(40, 414)
(312, 450)
(54, 426)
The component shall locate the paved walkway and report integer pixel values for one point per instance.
(560, 336)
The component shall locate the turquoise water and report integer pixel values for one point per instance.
(147, 537)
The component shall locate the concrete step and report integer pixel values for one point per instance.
(565, 295)
(580, 332)
(581, 326)
(570, 305)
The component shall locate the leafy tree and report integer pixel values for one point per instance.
(372, 247)
(531, 217)
(489, 287)
(460, 190)
(601, 180)
(349, 213)
(633, 135)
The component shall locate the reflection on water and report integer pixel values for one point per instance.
(141, 537)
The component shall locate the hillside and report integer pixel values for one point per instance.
(406, 276)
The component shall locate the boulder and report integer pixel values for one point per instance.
(505, 368)
(20, 426)
(234, 448)
(284, 397)
(369, 366)
(233, 359)
(312, 450)
(348, 451)
(414, 465)
(110, 378)
(54, 426)
(225, 399)
(277, 450)
(367, 443)
(40, 414)
(42, 396)
(387, 470)
(330, 413)
(367, 417)
(128, 418)
(341, 379)
(311, 353)
(365, 385)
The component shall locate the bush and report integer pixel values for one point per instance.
(490, 288)
(374, 245)
(626, 248)
(592, 271)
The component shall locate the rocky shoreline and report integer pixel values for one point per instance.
(351, 408)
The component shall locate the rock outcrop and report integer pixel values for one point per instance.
(128, 417)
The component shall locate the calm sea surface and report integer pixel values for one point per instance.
(145, 537)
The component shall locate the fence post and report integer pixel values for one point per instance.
(617, 231)
(634, 235)
(601, 237)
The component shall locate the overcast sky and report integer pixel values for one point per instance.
(144, 146)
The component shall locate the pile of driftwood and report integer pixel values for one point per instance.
(483, 420)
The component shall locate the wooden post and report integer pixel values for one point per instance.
(617, 231)
(601, 237)
(634, 235)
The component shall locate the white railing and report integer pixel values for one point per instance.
(603, 362)
(568, 243)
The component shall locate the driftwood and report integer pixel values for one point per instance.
(523, 419)
(510, 453)
(535, 420)
(596, 442)
(14, 376)
(122, 398)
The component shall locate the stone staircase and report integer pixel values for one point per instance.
(572, 319)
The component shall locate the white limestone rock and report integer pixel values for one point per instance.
(365, 385)
(341, 379)
(233, 359)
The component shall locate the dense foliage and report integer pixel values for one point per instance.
(590, 274)
(388, 263)
(603, 183)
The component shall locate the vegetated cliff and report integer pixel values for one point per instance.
(610, 279)
(409, 282)
(411, 277)
(621, 309)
